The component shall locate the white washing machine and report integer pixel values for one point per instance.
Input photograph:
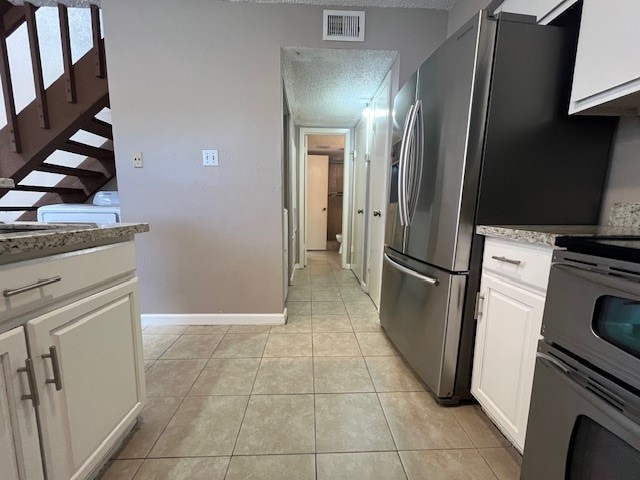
(105, 209)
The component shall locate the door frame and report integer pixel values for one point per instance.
(346, 188)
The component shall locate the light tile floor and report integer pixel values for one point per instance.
(324, 397)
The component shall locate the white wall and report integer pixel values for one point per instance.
(184, 76)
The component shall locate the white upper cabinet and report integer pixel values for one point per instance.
(544, 10)
(607, 71)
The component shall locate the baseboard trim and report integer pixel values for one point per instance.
(215, 319)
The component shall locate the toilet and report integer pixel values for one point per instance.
(339, 239)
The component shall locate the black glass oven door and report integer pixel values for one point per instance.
(597, 317)
(579, 429)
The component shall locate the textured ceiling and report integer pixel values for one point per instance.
(432, 4)
(53, 3)
(330, 87)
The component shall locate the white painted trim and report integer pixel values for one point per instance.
(293, 272)
(302, 190)
(215, 319)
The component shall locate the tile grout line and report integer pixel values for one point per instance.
(175, 412)
(244, 414)
(384, 414)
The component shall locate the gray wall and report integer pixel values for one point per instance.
(184, 76)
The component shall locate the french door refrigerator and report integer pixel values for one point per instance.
(481, 136)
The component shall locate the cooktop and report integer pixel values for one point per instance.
(625, 248)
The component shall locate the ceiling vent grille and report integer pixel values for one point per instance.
(343, 26)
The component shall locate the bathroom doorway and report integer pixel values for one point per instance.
(325, 190)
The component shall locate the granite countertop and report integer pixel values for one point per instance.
(40, 239)
(547, 234)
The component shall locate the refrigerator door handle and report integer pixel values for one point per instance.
(409, 160)
(402, 170)
(417, 151)
(425, 278)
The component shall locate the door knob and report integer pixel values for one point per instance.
(377, 213)
(360, 210)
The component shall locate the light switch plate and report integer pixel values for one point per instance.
(137, 160)
(210, 158)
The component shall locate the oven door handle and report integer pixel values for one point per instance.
(617, 282)
(566, 369)
(595, 388)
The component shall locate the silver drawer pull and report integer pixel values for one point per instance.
(31, 378)
(506, 260)
(33, 286)
(57, 379)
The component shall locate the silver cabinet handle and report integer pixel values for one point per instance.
(506, 260)
(430, 280)
(377, 213)
(31, 379)
(57, 378)
(40, 283)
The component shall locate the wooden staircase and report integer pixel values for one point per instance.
(46, 125)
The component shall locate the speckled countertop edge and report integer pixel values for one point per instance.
(14, 243)
(7, 183)
(547, 234)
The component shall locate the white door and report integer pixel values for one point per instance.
(379, 167)
(359, 210)
(317, 200)
(506, 339)
(19, 444)
(97, 370)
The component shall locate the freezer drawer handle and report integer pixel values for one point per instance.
(33, 286)
(430, 280)
(57, 379)
(31, 379)
(506, 260)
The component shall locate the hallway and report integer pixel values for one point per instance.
(325, 396)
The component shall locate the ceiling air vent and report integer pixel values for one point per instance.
(343, 26)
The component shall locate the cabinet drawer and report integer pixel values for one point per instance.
(525, 263)
(60, 276)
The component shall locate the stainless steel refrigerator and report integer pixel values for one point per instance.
(481, 136)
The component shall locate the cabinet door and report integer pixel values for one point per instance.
(506, 342)
(607, 60)
(90, 377)
(19, 445)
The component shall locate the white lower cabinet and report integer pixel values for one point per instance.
(72, 372)
(19, 446)
(88, 374)
(509, 320)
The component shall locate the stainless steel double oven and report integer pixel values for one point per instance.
(584, 421)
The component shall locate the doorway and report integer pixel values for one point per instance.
(324, 191)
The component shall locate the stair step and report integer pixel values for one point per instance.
(68, 171)
(18, 209)
(98, 127)
(86, 150)
(58, 190)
